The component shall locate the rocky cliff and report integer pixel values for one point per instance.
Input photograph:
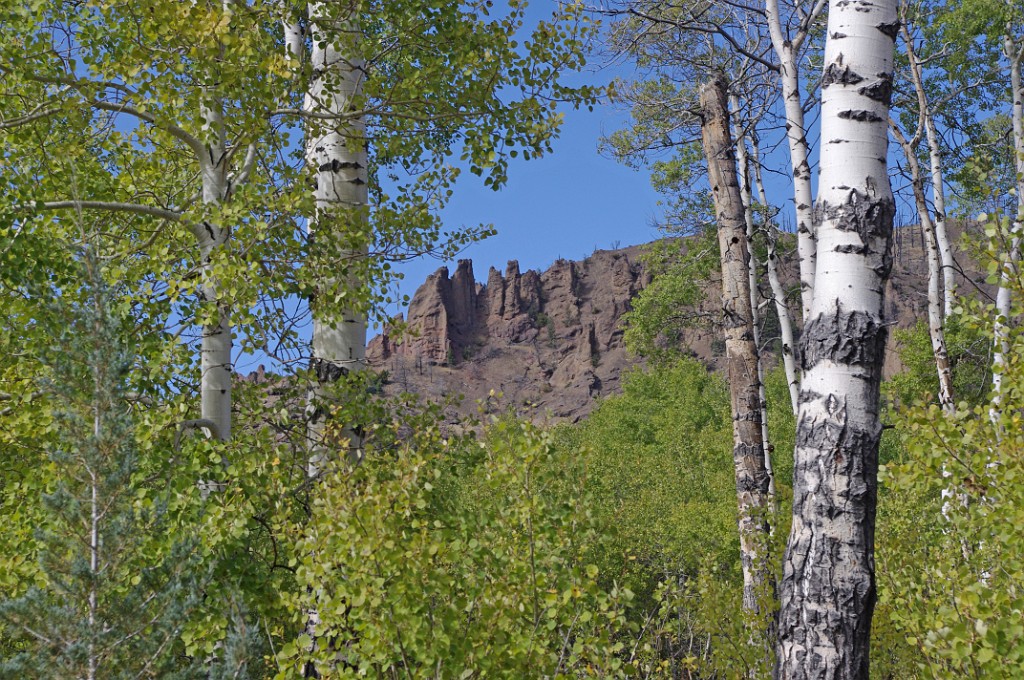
(549, 344)
(550, 341)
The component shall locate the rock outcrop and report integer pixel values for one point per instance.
(551, 341)
(549, 344)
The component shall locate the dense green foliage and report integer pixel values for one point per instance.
(951, 560)
(114, 583)
(662, 477)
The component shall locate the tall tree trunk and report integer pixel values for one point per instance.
(752, 480)
(336, 152)
(778, 292)
(935, 312)
(828, 587)
(1009, 268)
(787, 51)
(945, 252)
(215, 350)
(748, 221)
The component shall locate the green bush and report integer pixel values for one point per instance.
(447, 556)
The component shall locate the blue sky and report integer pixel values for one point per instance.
(564, 204)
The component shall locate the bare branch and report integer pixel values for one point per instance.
(35, 114)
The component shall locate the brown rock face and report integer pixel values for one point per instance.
(551, 343)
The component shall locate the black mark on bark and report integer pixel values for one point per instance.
(843, 75)
(880, 90)
(861, 116)
(891, 30)
(328, 371)
(852, 338)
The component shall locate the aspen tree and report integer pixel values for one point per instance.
(778, 292)
(336, 158)
(1013, 51)
(828, 586)
(788, 48)
(929, 229)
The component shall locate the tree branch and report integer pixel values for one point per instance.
(199, 423)
(192, 142)
(35, 114)
(113, 206)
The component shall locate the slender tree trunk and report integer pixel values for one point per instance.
(941, 231)
(748, 220)
(945, 252)
(1003, 299)
(336, 155)
(1009, 268)
(215, 350)
(752, 480)
(779, 293)
(336, 152)
(796, 135)
(828, 587)
(935, 312)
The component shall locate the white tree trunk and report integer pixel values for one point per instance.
(828, 587)
(336, 153)
(1003, 300)
(779, 293)
(938, 186)
(752, 480)
(215, 350)
(936, 330)
(941, 232)
(787, 51)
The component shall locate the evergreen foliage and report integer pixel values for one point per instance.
(110, 596)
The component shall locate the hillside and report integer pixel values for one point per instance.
(549, 344)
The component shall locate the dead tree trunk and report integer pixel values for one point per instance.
(752, 479)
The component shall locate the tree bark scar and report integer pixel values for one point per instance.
(869, 217)
(861, 116)
(336, 166)
(880, 90)
(328, 371)
(838, 486)
(890, 29)
(852, 338)
(836, 73)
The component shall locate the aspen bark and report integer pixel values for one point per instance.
(336, 153)
(941, 231)
(1015, 55)
(215, 350)
(945, 252)
(752, 480)
(828, 587)
(787, 51)
(935, 309)
(748, 221)
(778, 293)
